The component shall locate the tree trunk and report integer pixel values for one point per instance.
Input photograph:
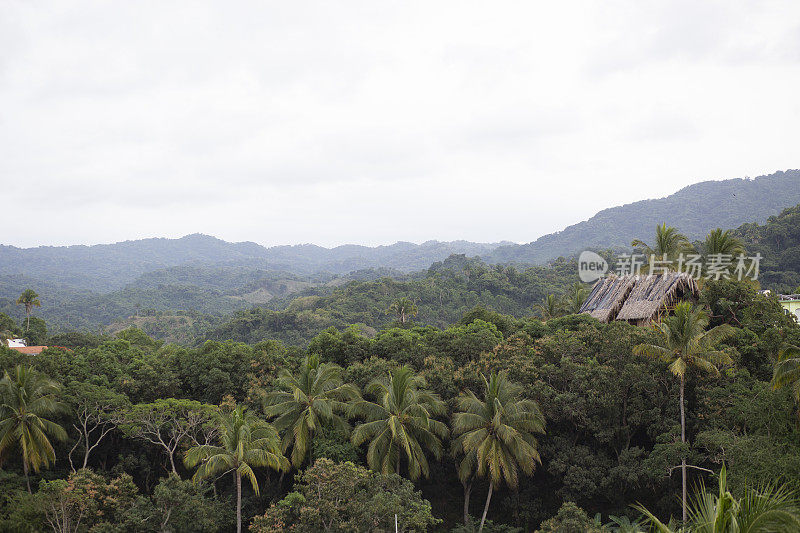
(467, 491)
(172, 464)
(486, 507)
(683, 459)
(238, 502)
(25, 471)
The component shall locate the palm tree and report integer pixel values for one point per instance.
(27, 401)
(768, 508)
(400, 423)
(669, 244)
(316, 396)
(549, 307)
(722, 242)
(574, 298)
(403, 309)
(245, 443)
(684, 343)
(787, 370)
(29, 299)
(496, 434)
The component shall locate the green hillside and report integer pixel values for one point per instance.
(695, 210)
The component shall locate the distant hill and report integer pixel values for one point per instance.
(108, 267)
(695, 210)
(235, 269)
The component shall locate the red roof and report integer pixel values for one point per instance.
(29, 350)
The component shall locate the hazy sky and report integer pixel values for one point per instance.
(371, 122)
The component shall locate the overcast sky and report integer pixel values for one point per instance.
(371, 122)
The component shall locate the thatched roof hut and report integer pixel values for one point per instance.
(607, 297)
(638, 299)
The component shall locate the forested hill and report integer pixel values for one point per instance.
(778, 242)
(695, 210)
(108, 267)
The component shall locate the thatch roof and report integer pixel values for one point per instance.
(607, 297)
(637, 299)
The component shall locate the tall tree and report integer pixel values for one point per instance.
(684, 343)
(722, 242)
(170, 423)
(29, 299)
(669, 244)
(404, 308)
(98, 410)
(245, 443)
(315, 396)
(400, 423)
(27, 401)
(496, 434)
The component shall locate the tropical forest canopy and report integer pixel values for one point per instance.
(464, 396)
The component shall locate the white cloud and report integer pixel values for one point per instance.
(373, 122)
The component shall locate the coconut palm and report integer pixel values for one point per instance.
(27, 401)
(400, 424)
(766, 509)
(496, 434)
(315, 397)
(404, 308)
(722, 242)
(549, 307)
(787, 370)
(29, 299)
(668, 245)
(684, 343)
(573, 299)
(245, 443)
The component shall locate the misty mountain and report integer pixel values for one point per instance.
(110, 267)
(695, 210)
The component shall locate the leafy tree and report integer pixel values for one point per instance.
(170, 423)
(36, 333)
(496, 435)
(29, 299)
(684, 343)
(306, 402)
(570, 519)
(400, 423)
(404, 309)
(771, 507)
(97, 410)
(85, 501)
(245, 443)
(345, 497)
(27, 402)
(8, 328)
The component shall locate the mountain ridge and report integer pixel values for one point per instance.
(695, 210)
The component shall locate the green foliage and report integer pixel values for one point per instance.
(770, 507)
(400, 424)
(570, 519)
(245, 443)
(28, 402)
(333, 496)
(303, 404)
